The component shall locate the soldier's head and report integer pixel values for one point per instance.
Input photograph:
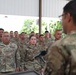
(23, 36)
(58, 34)
(32, 33)
(16, 34)
(6, 38)
(1, 32)
(37, 35)
(11, 34)
(32, 39)
(41, 38)
(69, 17)
(47, 34)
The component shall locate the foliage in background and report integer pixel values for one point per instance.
(31, 25)
(55, 25)
(44, 26)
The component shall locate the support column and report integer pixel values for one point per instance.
(40, 16)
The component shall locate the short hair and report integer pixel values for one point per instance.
(70, 7)
(41, 35)
(22, 32)
(58, 30)
(1, 29)
(32, 31)
(46, 31)
(5, 33)
(15, 31)
(31, 36)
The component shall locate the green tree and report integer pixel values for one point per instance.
(44, 26)
(29, 25)
(54, 25)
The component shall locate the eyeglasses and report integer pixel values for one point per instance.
(61, 16)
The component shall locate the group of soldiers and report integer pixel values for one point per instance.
(18, 51)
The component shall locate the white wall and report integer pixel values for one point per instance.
(53, 8)
(19, 7)
(50, 8)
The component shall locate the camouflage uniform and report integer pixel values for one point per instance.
(31, 63)
(24, 42)
(37, 40)
(9, 57)
(60, 61)
(15, 40)
(42, 46)
(48, 41)
(22, 52)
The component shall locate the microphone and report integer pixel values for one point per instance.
(42, 53)
(42, 59)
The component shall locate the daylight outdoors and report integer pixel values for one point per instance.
(28, 24)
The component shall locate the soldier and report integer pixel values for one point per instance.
(48, 40)
(32, 33)
(57, 34)
(37, 36)
(32, 50)
(11, 34)
(23, 38)
(9, 56)
(62, 54)
(1, 32)
(22, 50)
(47, 35)
(15, 39)
(42, 43)
(43, 47)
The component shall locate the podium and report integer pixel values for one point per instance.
(26, 73)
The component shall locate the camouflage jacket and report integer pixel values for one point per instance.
(31, 63)
(60, 58)
(15, 40)
(8, 57)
